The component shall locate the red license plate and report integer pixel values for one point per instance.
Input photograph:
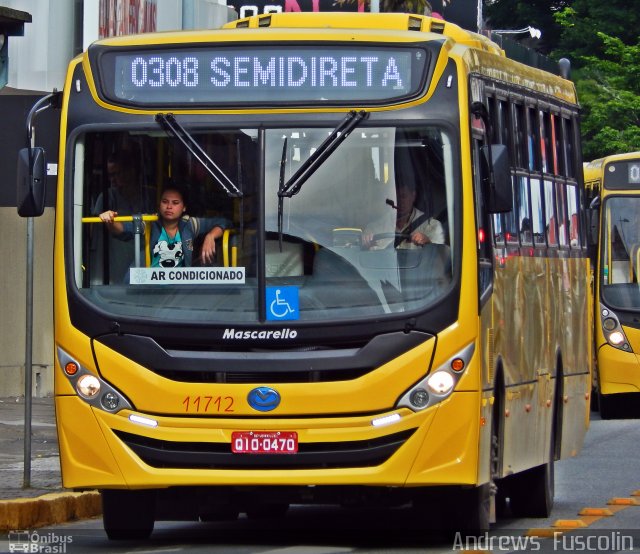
(264, 442)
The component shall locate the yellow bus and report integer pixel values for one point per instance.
(398, 312)
(613, 189)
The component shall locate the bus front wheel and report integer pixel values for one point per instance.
(531, 491)
(128, 515)
(454, 510)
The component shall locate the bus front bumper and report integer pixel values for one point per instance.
(435, 447)
(618, 371)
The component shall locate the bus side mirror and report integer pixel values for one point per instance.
(592, 214)
(593, 223)
(32, 179)
(495, 165)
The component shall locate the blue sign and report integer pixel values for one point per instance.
(263, 399)
(282, 303)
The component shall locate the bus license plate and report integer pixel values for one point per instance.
(264, 442)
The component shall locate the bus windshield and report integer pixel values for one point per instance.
(620, 256)
(371, 232)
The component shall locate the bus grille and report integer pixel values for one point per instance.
(215, 455)
(257, 377)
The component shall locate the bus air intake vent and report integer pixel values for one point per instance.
(257, 377)
(228, 362)
(217, 455)
(437, 27)
(415, 24)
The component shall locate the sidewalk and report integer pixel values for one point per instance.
(45, 501)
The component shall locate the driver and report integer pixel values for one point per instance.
(413, 227)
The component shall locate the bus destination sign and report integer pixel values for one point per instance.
(270, 75)
(623, 174)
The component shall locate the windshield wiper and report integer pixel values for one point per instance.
(283, 164)
(169, 124)
(313, 162)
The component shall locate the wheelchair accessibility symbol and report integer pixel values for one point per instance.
(282, 303)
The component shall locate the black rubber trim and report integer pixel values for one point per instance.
(214, 455)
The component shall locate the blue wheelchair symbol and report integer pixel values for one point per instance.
(282, 303)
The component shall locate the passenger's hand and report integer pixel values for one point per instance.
(367, 240)
(419, 239)
(108, 216)
(208, 254)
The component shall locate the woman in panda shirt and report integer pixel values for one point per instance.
(174, 233)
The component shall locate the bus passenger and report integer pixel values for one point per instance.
(413, 228)
(125, 194)
(174, 234)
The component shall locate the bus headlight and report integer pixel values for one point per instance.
(616, 338)
(612, 330)
(441, 382)
(438, 384)
(90, 387)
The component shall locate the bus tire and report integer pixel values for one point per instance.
(127, 514)
(454, 511)
(531, 491)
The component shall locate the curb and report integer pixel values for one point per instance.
(48, 509)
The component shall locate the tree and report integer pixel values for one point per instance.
(609, 90)
(582, 20)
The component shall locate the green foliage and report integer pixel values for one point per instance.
(609, 90)
(581, 20)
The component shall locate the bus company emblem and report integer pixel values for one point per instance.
(263, 399)
(264, 334)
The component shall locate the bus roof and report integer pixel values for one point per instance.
(368, 21)
(600, 162)
(593, 171)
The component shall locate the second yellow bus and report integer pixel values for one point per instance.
(613, 188)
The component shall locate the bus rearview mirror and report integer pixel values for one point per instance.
(593, 224)
(32, 179)
(499, 193)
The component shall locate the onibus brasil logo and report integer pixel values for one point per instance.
(40, 542)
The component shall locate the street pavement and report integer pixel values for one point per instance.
(40, 499)
(45, 460)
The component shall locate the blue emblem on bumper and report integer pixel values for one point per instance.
(263, 399)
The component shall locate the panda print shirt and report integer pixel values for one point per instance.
(167, 252)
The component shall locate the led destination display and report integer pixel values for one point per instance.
(216, 76)
(622, 175)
